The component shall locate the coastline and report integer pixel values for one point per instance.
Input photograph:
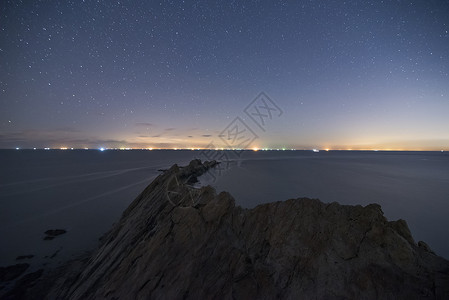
(170, 238)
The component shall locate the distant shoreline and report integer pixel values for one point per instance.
(220, 149)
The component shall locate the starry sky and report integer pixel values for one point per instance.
(181, 74)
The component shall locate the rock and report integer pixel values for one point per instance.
(19, 291)
(12, 272)
(20, 257)
(424, 246)
(195, 168)
(176, 242)
(55, 232)
(52, 233)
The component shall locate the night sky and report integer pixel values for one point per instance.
(177, 74)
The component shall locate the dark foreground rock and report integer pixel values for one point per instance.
(22, 288)
(177, 242)
(12, 272)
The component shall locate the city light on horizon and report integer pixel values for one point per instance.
(254, 149)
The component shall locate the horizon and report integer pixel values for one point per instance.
(222, 149)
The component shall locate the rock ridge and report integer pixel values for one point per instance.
(179, 242)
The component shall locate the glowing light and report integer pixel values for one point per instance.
(63, 148)
(101, 149)
(47, 148)
(17, 148)
(255, 149)
(34, 148)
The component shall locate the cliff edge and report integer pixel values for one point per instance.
(179, 242)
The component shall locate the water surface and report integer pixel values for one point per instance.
(408, 185)
(85, 192)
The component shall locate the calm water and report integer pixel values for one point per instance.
(81, 191)
(85, 192)
(413, 186)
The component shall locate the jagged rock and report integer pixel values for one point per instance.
(189, 174)
(424, 246)
(176, 242)
(12, 272)
(19, 291)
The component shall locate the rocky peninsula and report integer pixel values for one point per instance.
(179, 242)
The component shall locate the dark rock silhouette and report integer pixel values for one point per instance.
(176, 242)
(21, 289)
(12, 272)
(21, 257)
(52, 233)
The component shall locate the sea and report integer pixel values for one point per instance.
(85, 191)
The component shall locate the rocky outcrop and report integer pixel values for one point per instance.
(10, 273)
(25, 287)
(175, 241)
(52, 233)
